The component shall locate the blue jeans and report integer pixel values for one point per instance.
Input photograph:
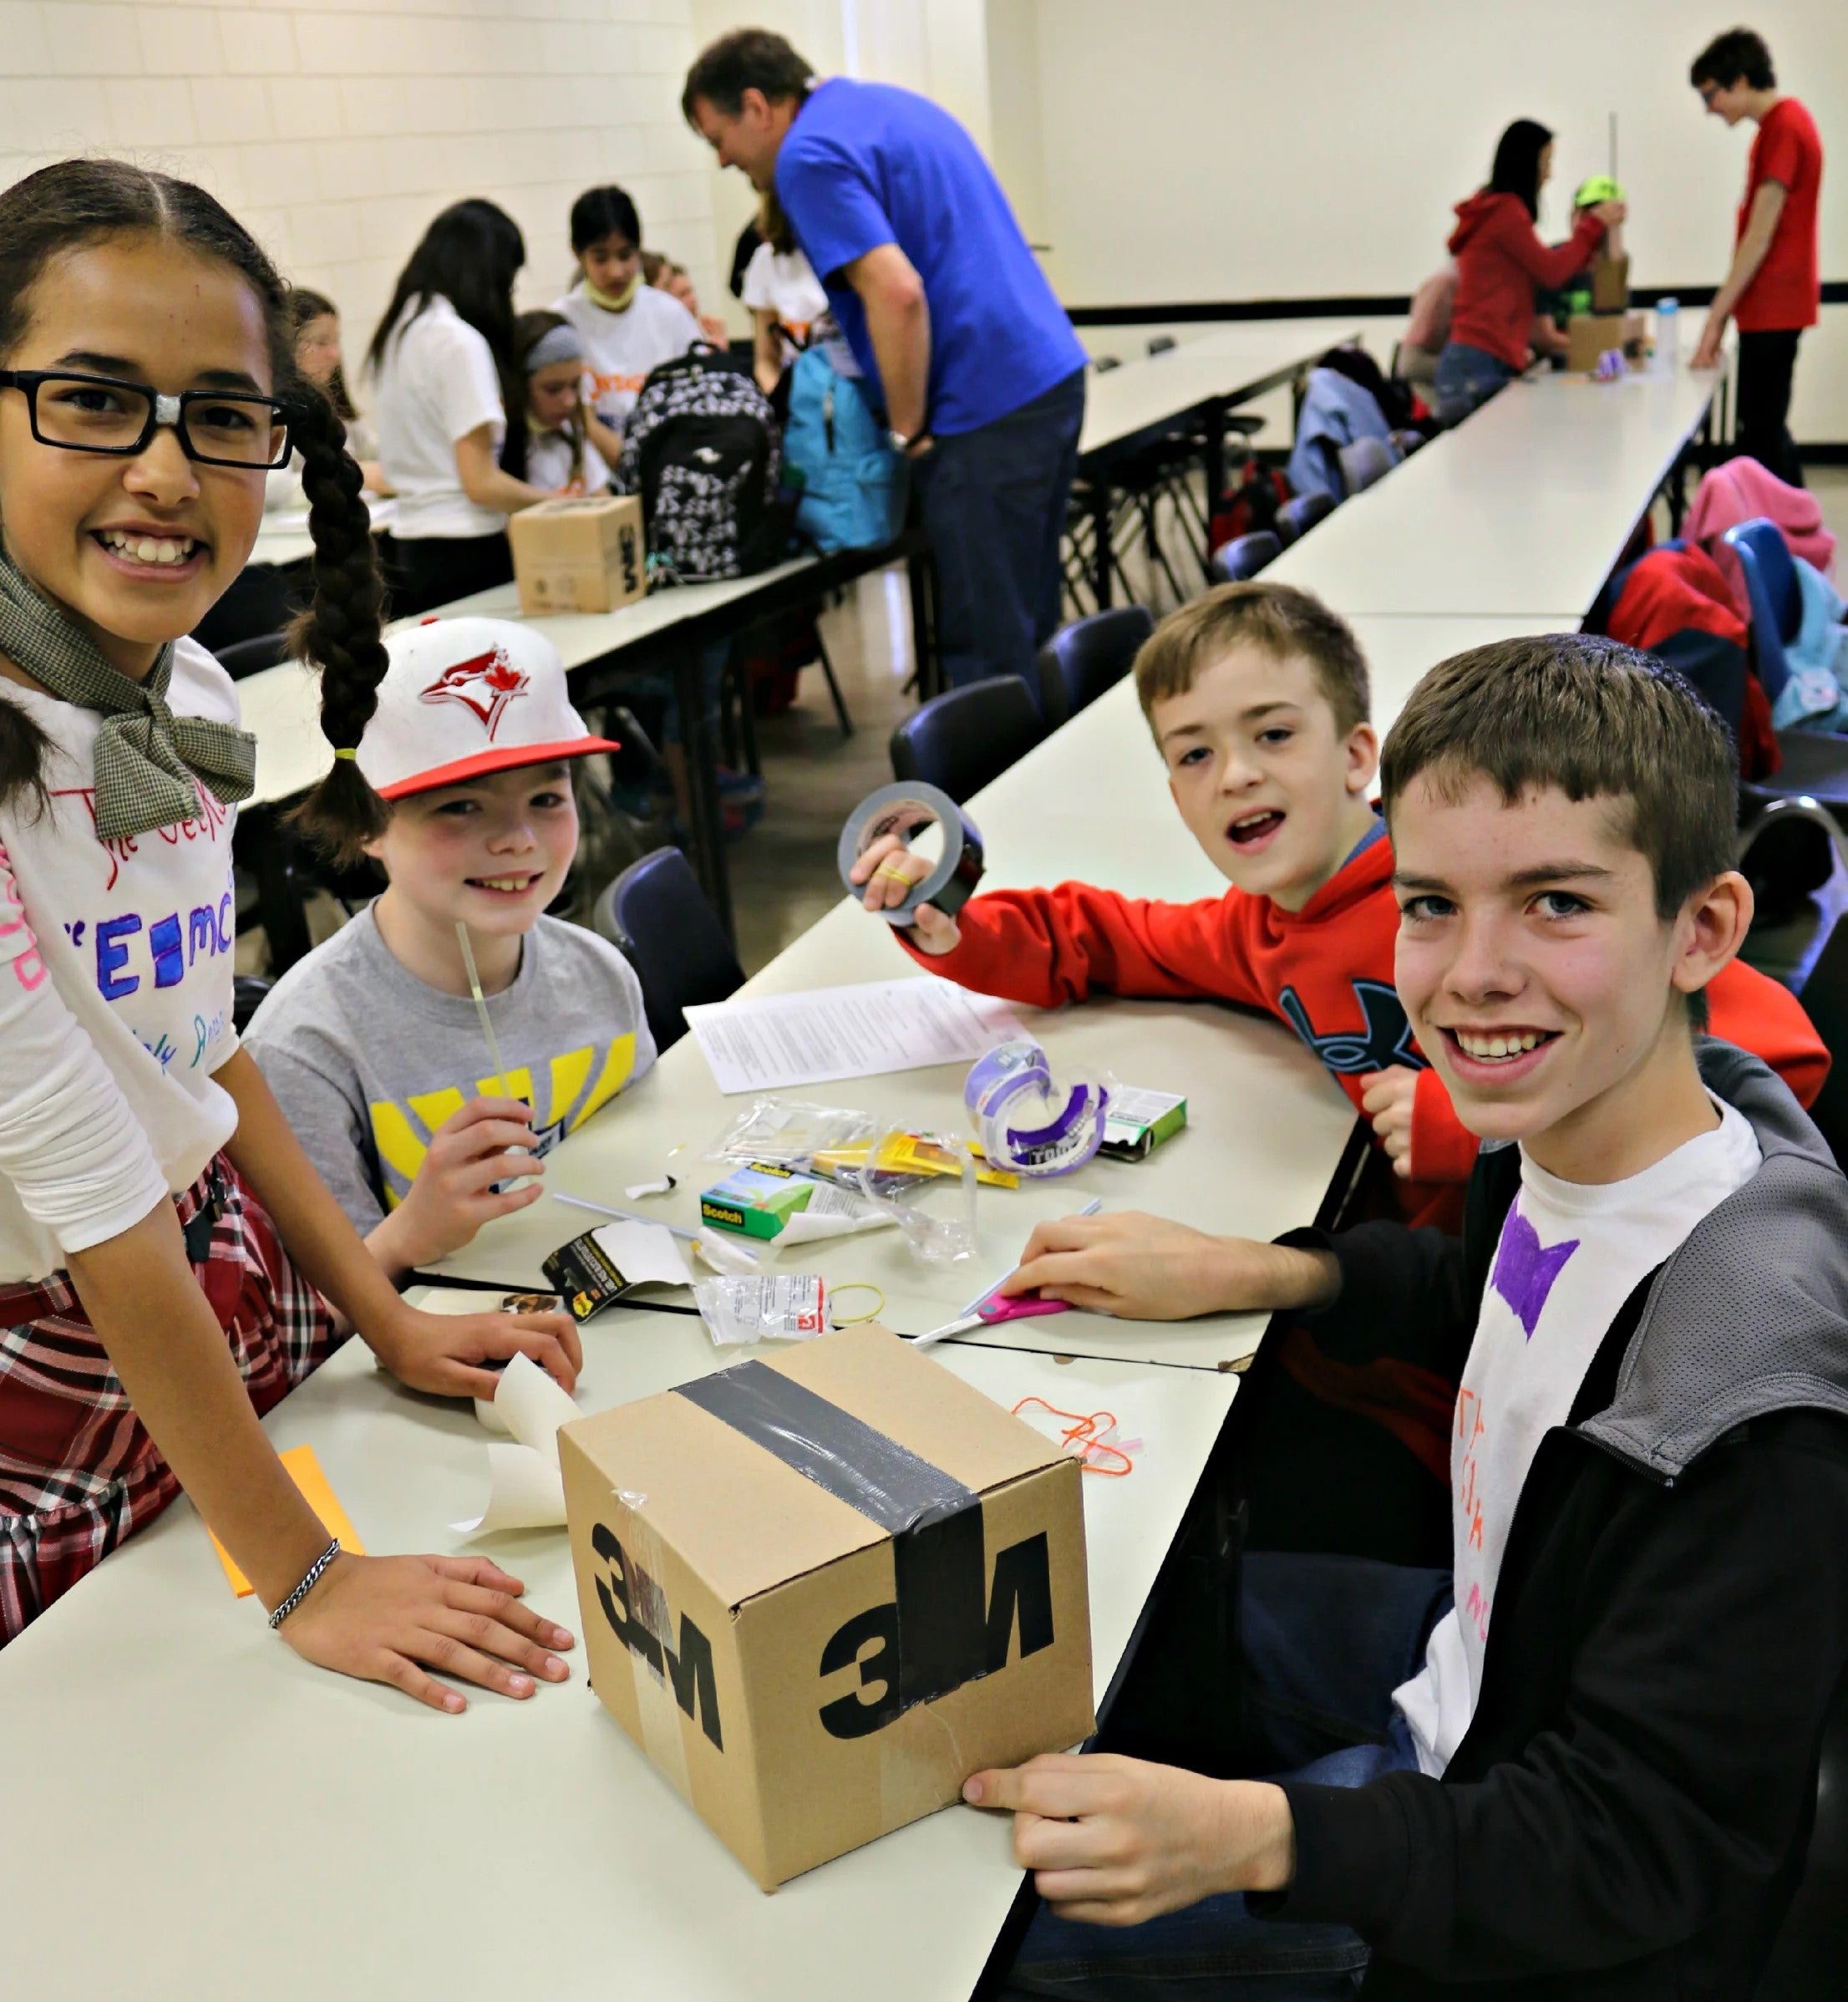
(1325, 1641)
(993, 502)
(1466, 378)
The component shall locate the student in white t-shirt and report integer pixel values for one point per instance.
(443, 359)
(788, 305)
(561, 429)
(170, 1264)
(628, 326)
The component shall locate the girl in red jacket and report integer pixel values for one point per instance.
(1501, 263)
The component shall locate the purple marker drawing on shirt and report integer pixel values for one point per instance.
(1525, 1270)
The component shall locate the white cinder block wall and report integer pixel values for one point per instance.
(335, 131)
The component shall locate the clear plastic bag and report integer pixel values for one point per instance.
(926, 1184)
(790, 1133)
(772, 1307)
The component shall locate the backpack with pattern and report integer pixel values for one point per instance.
(702, 451)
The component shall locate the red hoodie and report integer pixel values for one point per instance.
(1500, 263)
(1326, 969)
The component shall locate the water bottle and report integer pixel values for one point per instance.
(1667, 335)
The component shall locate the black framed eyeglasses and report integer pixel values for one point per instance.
(79, 413)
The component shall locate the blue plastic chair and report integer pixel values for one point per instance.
(1244, 557)
(1296, 517)
(1776, 600)
(1084, 659)
(961, 739)
(656, 913)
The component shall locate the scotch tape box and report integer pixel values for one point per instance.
(579, 555)
(757, 1199)
(820, 1589)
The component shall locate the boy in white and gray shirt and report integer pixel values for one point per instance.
(372, 1044)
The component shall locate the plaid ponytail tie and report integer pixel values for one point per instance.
(147, 759)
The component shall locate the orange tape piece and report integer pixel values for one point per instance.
(304, 1470)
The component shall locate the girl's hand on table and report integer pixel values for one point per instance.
(394, 1619)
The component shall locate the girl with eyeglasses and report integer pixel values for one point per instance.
(170, 1264)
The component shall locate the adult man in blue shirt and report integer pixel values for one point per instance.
(942, 303)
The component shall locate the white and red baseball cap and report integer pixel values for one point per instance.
(466, 696)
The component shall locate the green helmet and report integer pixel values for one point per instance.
(1599, 188)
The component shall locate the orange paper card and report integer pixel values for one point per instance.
(305, 1471)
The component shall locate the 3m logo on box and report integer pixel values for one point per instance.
(1020, 1602)
(818, 1591)
(637, 1608)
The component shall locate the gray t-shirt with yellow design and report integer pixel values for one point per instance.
(367, 1061)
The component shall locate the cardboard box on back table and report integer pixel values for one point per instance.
(1589, 334)
(587, 554)
(820, 1589)
(1609, 324)
(1610, 284)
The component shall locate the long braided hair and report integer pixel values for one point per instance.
(78, 202)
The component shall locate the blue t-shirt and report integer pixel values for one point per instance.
(866, 164)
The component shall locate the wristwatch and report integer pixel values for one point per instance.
(901, 445)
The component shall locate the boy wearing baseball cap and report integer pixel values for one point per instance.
(372, 1044)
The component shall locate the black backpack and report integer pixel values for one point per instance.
(702, 450)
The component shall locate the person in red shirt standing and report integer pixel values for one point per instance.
(1501, 263)
(1773, 289)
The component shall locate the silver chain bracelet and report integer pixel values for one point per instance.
(310, 1578)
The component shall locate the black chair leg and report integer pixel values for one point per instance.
(746, 722)
(840, 700)
(730, 702)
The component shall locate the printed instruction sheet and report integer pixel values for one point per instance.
(772, 1040)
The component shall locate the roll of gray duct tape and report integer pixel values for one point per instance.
(905, 808)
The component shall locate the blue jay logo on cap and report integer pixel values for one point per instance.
(484, 685)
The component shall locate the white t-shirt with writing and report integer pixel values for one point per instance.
(115, 993)
(436, 383)
(784, 283)
(1571, 1253)
(621, 347)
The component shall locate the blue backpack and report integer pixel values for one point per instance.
(853, 489)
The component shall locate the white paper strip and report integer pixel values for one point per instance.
(524, 1492)
(524, 1488)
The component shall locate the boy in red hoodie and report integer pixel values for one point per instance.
(1257, 695)
(1501, 266)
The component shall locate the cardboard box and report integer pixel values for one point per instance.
(811, 1670)
(1610, 284)
(1590, 335)
(579, 555)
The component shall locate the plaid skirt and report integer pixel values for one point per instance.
(78, 1473)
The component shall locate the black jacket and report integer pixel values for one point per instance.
(1628, 1812)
